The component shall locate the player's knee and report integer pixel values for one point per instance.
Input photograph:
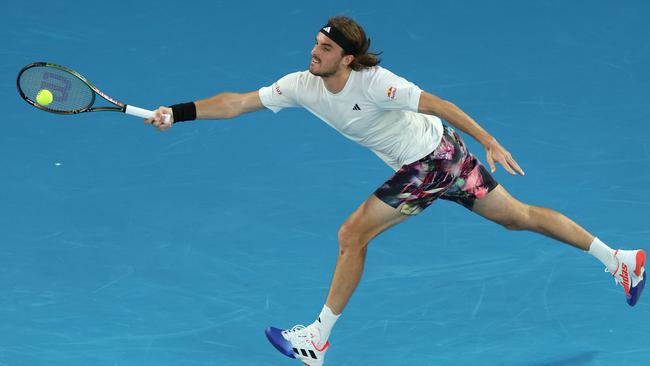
(513, 225)
(351, 237)
(518, 220)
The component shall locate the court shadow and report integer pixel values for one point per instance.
(583, 358)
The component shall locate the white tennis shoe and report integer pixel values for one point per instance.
(631, 273)
(299, 342)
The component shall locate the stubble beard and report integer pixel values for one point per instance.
(324, 73)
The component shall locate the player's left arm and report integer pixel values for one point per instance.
(431, 104)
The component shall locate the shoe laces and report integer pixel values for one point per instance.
(295, 329)
(299, 334)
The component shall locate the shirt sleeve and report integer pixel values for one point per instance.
(281, 94)
(389, 91)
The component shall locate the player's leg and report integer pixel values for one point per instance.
(409, 191)
(477, 190)
(627, 266)
(369, 220)
(499, 206)
(309, 344)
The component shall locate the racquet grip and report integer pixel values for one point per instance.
(143, 113)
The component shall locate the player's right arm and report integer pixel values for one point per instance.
(220, 106)
(228, 105)
(281, 94)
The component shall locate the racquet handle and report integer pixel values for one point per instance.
(143, 113)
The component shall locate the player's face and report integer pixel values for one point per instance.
(326, 57)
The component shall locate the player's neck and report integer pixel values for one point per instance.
(336, 82)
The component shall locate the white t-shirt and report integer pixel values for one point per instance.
(376, 108)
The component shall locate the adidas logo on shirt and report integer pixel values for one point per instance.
(356, 108)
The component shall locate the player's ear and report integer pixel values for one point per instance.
(347, 60)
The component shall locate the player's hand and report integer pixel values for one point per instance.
(158, 120)
(496, 153)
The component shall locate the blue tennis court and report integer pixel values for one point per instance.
(122, 245)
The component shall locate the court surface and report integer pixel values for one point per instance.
(120, 245)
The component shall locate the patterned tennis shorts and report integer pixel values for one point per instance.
(450, 172)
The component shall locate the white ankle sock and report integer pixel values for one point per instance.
(325, 323)
(604, 254)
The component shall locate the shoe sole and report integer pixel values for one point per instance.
(274, 335)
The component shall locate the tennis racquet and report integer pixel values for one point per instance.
(71, 92)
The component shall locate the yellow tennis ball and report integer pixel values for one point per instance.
(44, 97)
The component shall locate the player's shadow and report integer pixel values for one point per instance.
(583, 358)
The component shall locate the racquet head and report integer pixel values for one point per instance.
(72, 93)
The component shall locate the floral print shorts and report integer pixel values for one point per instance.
(450, 172)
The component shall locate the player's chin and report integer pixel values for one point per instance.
(317, 70)
(313, 68)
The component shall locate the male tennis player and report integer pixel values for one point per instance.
(402, 125)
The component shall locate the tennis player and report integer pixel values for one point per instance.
(402, 125)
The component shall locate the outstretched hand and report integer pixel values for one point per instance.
(497, 154)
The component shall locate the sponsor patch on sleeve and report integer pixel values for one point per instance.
(391, 92)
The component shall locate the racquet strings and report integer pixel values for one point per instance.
(70, 94)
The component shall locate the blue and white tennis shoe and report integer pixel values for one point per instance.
(299, 342)
(631, 273)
